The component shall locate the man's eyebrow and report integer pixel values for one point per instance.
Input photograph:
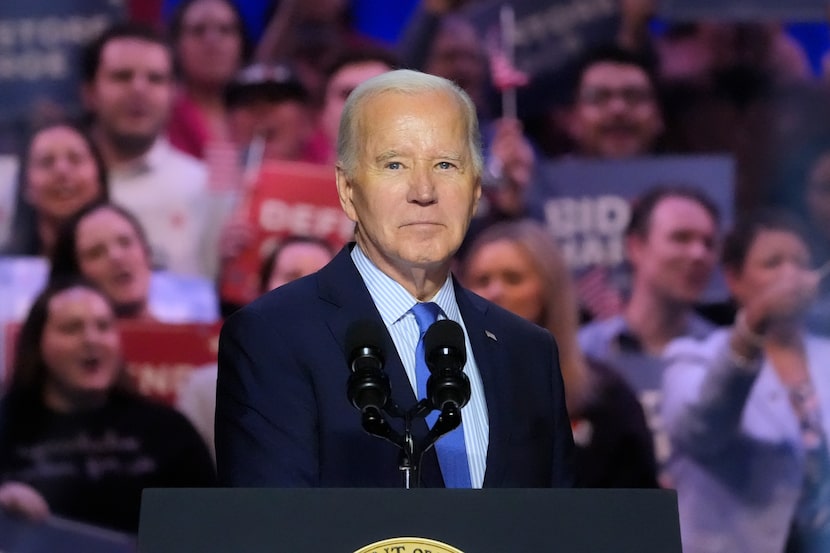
(386, 156)
(452, 156)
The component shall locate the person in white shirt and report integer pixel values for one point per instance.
(128, 89)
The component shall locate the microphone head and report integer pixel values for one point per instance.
(368, 386)
(444, 346)
(446, 355)
(364, 338)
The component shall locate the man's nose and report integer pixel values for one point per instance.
(700, 249)
(422, 186)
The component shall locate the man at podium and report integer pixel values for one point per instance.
(408, 174)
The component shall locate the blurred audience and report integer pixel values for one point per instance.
(747, 408)
(60, 172)
(74, 442)
(742, 89)
(128, 90)
(269, 103)
(210, 46)
(456, 52)
(671, 244)
(519, 267)
(614, 114)
(106, 244)
(311, 35)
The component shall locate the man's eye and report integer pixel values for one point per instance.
(445, 165)
(394, 165)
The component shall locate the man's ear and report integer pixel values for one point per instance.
(344, 192)
(476, 194)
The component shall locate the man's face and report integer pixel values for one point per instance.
(132, 91)
(210, 46)
(414, 189)
(676, 258)
(615, 114)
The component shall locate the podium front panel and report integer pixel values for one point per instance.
(248, 520)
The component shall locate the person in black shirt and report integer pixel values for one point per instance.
(74, 441)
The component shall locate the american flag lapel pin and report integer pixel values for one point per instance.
(491, 335)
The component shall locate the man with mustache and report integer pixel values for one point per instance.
(615, 112)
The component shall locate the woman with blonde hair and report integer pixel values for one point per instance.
(518, 266)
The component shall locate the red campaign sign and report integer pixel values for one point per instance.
(287, 198)
(160, 356)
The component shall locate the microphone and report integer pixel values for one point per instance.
(446, 354)
(368, 387)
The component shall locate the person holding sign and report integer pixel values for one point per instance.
(409, 176)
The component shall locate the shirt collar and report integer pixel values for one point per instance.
(626, 340)
(391, 298)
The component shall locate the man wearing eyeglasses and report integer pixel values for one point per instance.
(615, 112)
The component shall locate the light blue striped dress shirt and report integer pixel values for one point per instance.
(394, 303)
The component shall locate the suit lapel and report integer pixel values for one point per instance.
(493, 367)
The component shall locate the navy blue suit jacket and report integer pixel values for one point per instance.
(283, 417)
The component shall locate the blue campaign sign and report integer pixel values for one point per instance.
(586, 203)
(40, 46)
(744, 10)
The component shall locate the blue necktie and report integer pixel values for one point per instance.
(452, 453)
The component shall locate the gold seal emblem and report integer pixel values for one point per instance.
(408, 545)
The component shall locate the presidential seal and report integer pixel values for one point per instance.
(408, 545)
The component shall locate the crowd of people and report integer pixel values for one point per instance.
(135, 209)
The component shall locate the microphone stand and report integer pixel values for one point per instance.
(412, 452)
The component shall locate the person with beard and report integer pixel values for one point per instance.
(128, 90)
(106, 244)
(615, 112)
